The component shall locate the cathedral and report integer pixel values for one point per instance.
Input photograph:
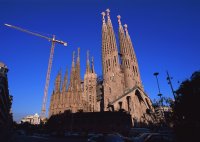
(122, 85)
(78, 95)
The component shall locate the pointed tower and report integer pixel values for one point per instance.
(72, 74)
(65, 81)
(58, 83)
(93, 71)
(51, 108)
(90, 79)
(56, 93)
(112, 75)
(64, 92)
(78, 77)
(88, 70)
(126, 58)
(132, 63)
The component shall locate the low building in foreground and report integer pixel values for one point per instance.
(102, 122)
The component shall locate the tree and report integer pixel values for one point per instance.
(186, 109)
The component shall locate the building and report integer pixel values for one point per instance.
(163, 113)
(123, 87)
(5, 103)
(78, 95)
(120, 88)
(96, 122)
(32, 119)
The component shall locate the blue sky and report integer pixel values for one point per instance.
(165, 34)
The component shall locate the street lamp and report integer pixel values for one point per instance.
(159, 94)
(156, 75)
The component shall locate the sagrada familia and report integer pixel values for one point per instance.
(122, 85)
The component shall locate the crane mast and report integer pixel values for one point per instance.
(43, 112)
(53, 41)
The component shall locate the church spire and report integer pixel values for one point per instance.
(78, 65)
(110, 62)
(125, 57)
(88, 70)
(58, 82)
(119, 21)
(104, 35)
(103, 17)
(78, 77)
(133, 62)
(129, 43)
(93, 71)
(73, 58)
(64, 86)
(72, 74)
(121, 37)
(113, 45)
(78, 56)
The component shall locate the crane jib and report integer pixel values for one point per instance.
(53, 40)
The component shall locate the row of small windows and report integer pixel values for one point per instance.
(126, 63)
(109, 64)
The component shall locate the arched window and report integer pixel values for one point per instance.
(120, 105)
(138, 94)
(128, 98)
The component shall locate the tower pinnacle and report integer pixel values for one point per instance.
(103, 16)
(93, 65)
(88, 63)
(78, 56)
(73, 58)
(108, 13)
(65, 81)
(119, 21)
(126, 28)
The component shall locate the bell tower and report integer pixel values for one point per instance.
(112, 76)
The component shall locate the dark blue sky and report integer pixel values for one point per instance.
(166, 36)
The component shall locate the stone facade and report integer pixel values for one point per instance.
(123, 87)
(78, 95)
(121, 84)
(32, 119)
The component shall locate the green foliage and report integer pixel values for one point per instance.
(186, 108)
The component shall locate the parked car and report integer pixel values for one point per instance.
(134, 132)
(141, 137)
(21, 132)
(126, 139)
(156, 137)
(153, 137)
(106, 138)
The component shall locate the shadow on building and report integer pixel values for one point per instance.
(5, 105)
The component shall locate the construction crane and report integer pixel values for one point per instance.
(53, 41)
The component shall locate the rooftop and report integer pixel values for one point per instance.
(3, 65)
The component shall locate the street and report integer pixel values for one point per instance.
(33, 138)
